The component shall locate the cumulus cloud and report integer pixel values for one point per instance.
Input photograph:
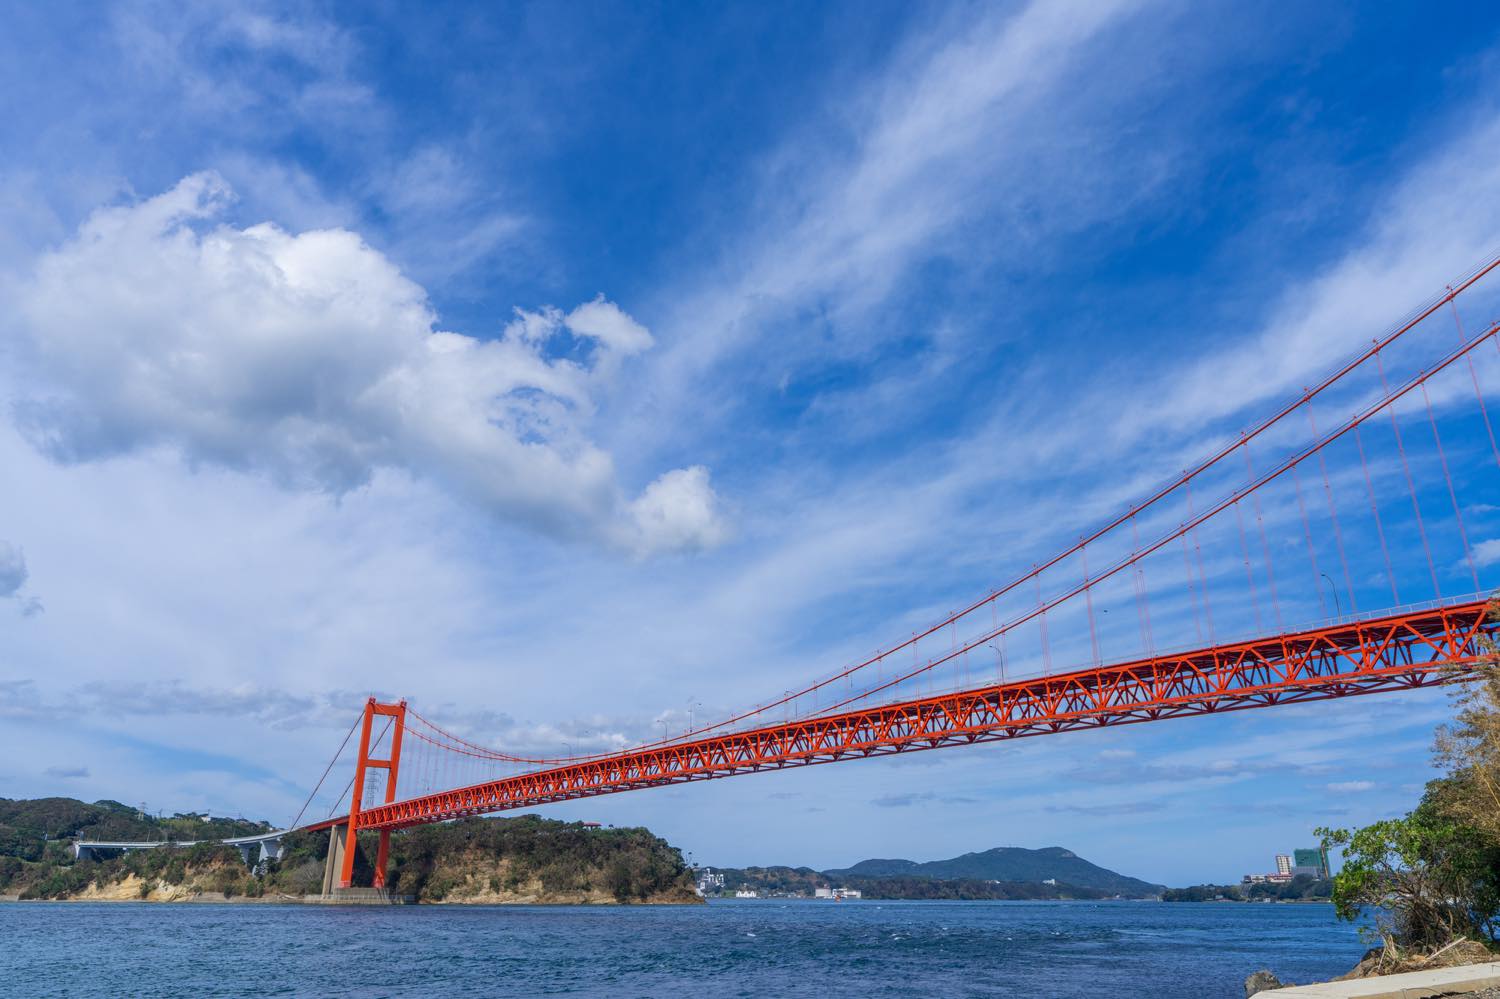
(311, 358)
(677, 511)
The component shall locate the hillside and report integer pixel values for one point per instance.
(517, 860)
(530, 859)
(36, 856)
(1001, 873)
(27, 826)
(1009, 864)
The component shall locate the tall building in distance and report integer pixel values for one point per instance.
(1312, 861)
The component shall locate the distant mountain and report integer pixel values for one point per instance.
(1011, 864)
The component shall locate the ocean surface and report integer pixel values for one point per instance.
(730, 948)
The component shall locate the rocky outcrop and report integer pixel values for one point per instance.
(1263, 981)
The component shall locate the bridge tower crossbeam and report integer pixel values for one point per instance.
(343, 837)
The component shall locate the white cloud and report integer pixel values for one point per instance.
(311, 358)
(606, 323)
(1350, 786)
(1487, 552)
(677, 511)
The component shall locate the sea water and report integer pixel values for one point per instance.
(726, 948)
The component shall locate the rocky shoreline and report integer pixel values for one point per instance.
(511, 861)
(1382, 962)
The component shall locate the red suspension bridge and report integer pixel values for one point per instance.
(1336, 548)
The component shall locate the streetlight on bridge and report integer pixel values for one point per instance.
(999, 655)
(1338, 606)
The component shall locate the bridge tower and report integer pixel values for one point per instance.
(343, 842)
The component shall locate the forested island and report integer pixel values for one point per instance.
(1006, 872)
(494, 861)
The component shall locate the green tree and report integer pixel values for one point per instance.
(1426, 878)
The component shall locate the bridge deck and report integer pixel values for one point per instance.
(1413, 649)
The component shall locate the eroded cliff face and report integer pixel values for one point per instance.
(133, 888)
(478, 878)
(532, 860)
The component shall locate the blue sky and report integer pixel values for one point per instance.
(568, 368)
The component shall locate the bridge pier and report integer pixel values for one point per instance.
(255, 855)
(338, 846)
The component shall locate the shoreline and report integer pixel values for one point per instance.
(219, 898)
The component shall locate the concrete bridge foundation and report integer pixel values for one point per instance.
(338, 844)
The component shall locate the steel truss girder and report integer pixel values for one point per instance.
(1395, 652)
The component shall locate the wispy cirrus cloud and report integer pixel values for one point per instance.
(909, 799)
(1120, 808)
(972, 120)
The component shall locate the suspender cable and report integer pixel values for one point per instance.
(1483, 410)
(1474, 377)
(1265, 546)
(1312, 553)
(1385, 552)
(1046, 646)
(1453, 496)
(1333, 513)
(1088, 599)
(1239, 521)
(1187, 568)
(1142, 610)
(1208, 607)
(1411, 486)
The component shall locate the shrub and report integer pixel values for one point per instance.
(1427, 878)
